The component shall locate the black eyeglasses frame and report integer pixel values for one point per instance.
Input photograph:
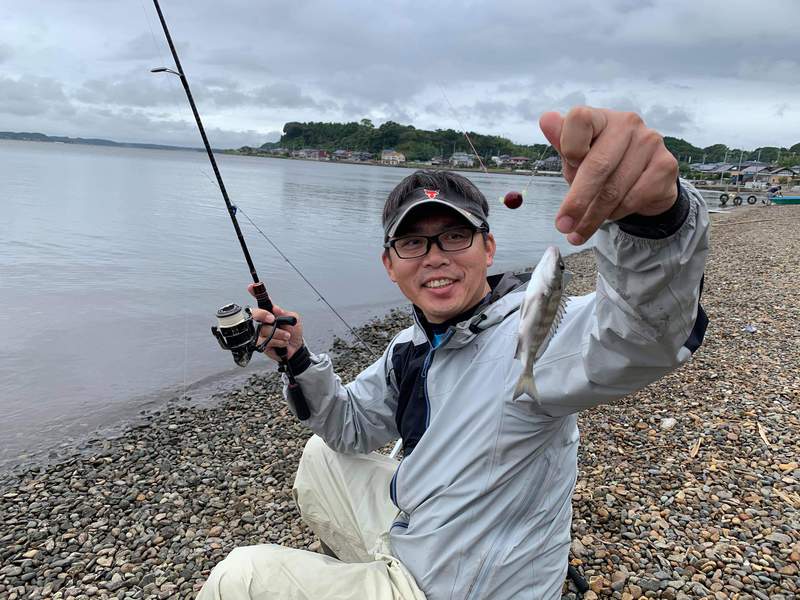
(431, 239)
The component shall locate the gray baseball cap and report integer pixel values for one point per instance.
(471, 210)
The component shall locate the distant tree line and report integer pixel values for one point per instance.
(416, 144)
(687, 153)
(423, 145)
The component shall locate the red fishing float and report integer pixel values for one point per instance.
(513, 199)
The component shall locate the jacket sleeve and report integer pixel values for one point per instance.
(356, 418)
(643, 320)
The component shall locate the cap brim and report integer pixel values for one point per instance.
(473, 220)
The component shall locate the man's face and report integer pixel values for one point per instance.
(463, 272)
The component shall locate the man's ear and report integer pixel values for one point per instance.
(387, 264)
(491, 247)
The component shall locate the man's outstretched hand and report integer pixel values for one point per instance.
(615, 166)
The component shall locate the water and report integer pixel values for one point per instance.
(114, 261)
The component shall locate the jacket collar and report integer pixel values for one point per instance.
(505, 299)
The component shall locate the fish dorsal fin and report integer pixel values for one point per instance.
(562, 307)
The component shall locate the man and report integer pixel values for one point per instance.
(480, 506)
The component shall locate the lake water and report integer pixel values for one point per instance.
(114, 261)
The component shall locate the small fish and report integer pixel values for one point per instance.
(541, 312)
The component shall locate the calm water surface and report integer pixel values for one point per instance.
(114, 261)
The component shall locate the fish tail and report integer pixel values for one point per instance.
(526, 385)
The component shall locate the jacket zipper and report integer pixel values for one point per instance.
(425, 367)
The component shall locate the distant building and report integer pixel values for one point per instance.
(342, 155)
(783, 174)
(462, 159)
(516, 162)
(311, 154)
(551, 163)
(437, 160)
(392, 157)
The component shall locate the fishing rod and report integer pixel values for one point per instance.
(235, 330)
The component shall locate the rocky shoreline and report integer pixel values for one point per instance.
(688, 489)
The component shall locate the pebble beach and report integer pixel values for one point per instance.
(687, 489)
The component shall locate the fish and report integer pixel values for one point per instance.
(540, 315)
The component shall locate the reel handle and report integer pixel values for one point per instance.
(295, 392)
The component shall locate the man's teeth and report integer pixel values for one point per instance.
(437, 283)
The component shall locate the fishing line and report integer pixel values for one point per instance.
(269, 240)
(469, 141)
(475, 152)
(533, 171)
(303, 277)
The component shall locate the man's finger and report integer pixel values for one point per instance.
(581, 126)
(596, 168)
(262, 316)
(661, 168)
(606, 202)
(551, 123)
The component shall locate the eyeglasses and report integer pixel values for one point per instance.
(450, 240)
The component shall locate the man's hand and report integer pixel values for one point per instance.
(615, 166)
(289, 337)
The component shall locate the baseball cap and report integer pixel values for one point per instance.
(471, 210)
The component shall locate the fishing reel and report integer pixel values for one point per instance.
(237, 332)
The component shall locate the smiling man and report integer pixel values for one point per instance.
(480, 505)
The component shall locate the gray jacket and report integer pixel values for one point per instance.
(484, 490)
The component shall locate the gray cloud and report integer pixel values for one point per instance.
(141, 91)
(675, 120)
(144, 46)
(30, 95)
(690, 68)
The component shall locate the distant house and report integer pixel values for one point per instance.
(783, 174)
(392, 157)
(754, 172)
(517, 162)
(723, 168)
(705, 167)
(311, 154)
(501, 160)
(342, 155)
(461, 159)
(551, 163)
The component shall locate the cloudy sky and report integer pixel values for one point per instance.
(714, 71)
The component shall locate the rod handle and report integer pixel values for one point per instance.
(262, 297)
(295, 392)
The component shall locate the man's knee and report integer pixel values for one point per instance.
(315, 451)
(231, 579)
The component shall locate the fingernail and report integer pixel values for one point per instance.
(575, 239)
(565, 224)
(572, 163)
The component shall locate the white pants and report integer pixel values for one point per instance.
(345, 500)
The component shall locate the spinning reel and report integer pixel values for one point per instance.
(236, 331)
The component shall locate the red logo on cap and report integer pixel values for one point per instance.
(432, 194)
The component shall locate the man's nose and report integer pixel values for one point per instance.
(436, 257)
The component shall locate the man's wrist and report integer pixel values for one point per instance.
(300, 360)
(658, 226)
